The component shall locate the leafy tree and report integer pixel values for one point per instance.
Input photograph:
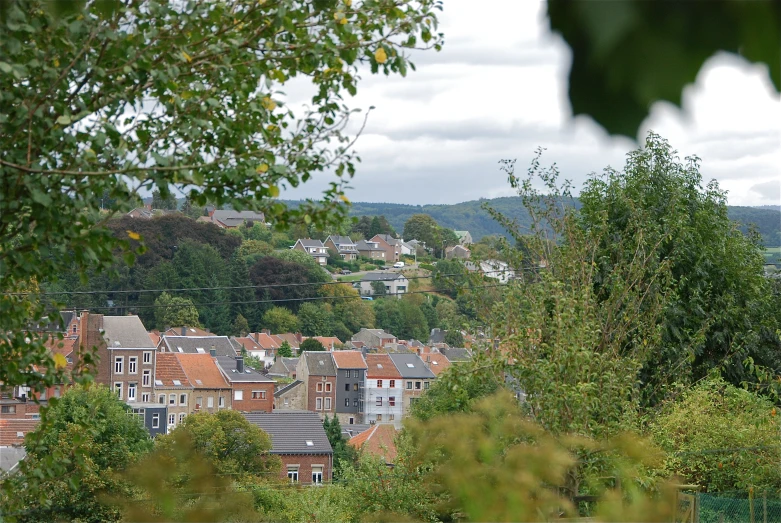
(311, 345)
(256, 231)
(363, 227)
(287, 283)
(240, 295)
(719, 311)
(217, 316)
(375, 227)
(228, 440)
(240, 326)
(171, 311)
(285, 350)
(344, 455)
(119, 107)
(449, 276)
(166, 203)
(630, 70)
(378, 288)
(423, 227)
(403, 318)
(448, 316)
(430, 313)
(716, 415)
(315, 319)
(454, 338)
(251, 250)
(279, 320)
(89, 422)
(349, 309)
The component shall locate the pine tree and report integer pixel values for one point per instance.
(238, 276)
(285, 350)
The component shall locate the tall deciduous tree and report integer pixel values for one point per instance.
(279, 320)
(311, 344)
(315, 319)
(122, 97)
(172, 311)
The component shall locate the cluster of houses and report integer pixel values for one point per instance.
(382, 247)
(369, 380)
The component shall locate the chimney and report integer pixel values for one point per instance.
(184, 331)
(213, 351)
(299, 337)
(240, 363)
(267, 332)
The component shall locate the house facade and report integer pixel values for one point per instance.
(458, 252)
(416, 377)
(317, 371)
(383, 391)
(370, 249)
(342, 246)
(390, 245)
(291, 396)
(300, 441)
(464, 238)
(350, 378)
(172, 390)
(373, 338)
(395, 283)
(284, 367)
(251, 390)
(314, 248)
(211, 392)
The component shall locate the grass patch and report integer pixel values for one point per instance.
(350, 277)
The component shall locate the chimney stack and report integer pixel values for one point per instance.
(240, 363)
(184, 331)
(213, 351)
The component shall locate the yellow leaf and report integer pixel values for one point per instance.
(273, 191)
(380, 56)
(60, 361)
(187, 56)
(268, 103)
(343, 21)
(133, 235)
(56, 63)
(344, 198)
(262, 168)
(348, 3)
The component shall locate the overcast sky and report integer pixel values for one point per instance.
(498, 90)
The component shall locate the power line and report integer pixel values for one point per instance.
(269, 286)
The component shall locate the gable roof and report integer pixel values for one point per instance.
(292, 431)
(65, 346)
(227, 365)
(382, 276)
(387, 238)
(456, 354)
(231, 218)
(308, 242)
(290, 363)
(126, 332)
(289, 337)
(199, 345)
(10, 458)
(319, 363)
(380, 441)
(381, 366)
(349, 359)
(185, 330)
(436, 362)
(327, 341)
(287, 388)
(202, 371)
(410, 365)
(167, 369)
(363, 245)
(341, 240)
(245, 342)
(10, 429)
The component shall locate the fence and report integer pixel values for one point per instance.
(737, 507)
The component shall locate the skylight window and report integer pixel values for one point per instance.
(411, 365)
(179, 349)
(192, 330)
(177, 383)
(435, 363)
(199, 382)
(310, 443)
(159, 383)
(199, 350)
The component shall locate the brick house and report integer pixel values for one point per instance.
(342, 246)
(299, 439)
(369, 249)
(126, 355)
(173, 389)
(350, 379)
(291, 396)
(210, 390)
(374, 338)
(252, 390)
(415, 376)
(317, 371)
(384, 391)
(390, 245)
(314, 248)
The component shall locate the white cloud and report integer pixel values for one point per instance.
(498, 90)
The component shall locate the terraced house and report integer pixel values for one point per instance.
(317, 371)
(173, 389)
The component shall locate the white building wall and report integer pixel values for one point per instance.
(372, 392)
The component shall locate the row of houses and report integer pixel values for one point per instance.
(360, 387)
(383, 247)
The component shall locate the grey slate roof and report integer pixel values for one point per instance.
(417, 370)
(290, 363)
(126, 332)
(10, 457)
(311, 243)
(382, 276)
(236, 218)
(291, 430)
(319, 363)
(227, 365)
(341, 240)
(437, 336)
(191, 344)
(456, 354)
(355, 429)
(287, 388)
(363, 245)
(390, 240)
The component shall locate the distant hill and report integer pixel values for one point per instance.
(471, 217)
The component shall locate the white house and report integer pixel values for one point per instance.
(383, 392)
(495, 269)
(395, 283)
(315, 248)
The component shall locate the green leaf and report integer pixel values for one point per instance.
(63, 119)
(5, 67)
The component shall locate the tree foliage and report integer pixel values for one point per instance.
(285, 351)
(311, 345)
(626, 58)
(280, 320)
(315, 319)
(172, 311)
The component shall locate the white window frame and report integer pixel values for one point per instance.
(146, 378)
(221, 402)
(119, 364)
(172, 399)
(319, 387)
(132, 365)
(328, 403)
(210, 402)
(182, 415)
(172, 420)
(145, 397)
(378, 401)
(292, 474)
(183, 399)
(147, 357)
(318, 403)
(118, 389)
(238, 395)
(392, 384)
(328, 387)
(161, 399)
(379, 384)
(156, 420)
(132, 391)
(317, 474)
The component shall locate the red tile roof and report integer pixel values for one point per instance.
(168, 368)
(327, 341)
(349, 359)
(188, 331)
(435, 361)
(289, 337)
(65, 346)
(10, 429)
(381, 366)
(202, 371)
(248, 343)
(267, 341)
(380, 440)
